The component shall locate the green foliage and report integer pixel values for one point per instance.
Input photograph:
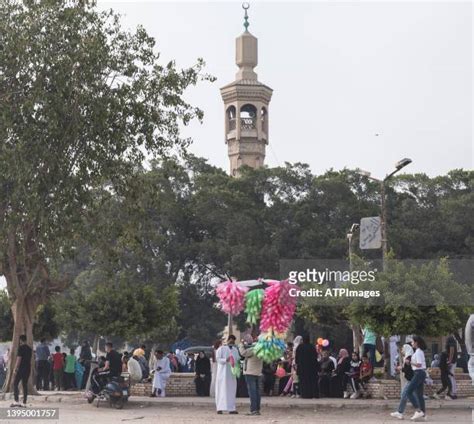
(6, 317)
(98, 304)
(45, 324)
(82, 103)
(415, 299)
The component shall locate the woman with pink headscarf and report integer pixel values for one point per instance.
(338, 380)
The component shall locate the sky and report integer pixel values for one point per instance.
(356, 84)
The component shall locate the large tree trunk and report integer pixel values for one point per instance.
(357, 338)
(24, 311)
(28, 285)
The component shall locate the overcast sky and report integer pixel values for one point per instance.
(341, 73)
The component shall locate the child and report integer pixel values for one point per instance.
(69, 370)
(58, 365)
(353, 377)
(445, 380)
(366, 372)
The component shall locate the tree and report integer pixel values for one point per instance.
(45, 324)
(116, 307)
(415, 299)
(82, 103)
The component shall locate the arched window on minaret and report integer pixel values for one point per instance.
(231, 116)
(248, 117)
(264, 119)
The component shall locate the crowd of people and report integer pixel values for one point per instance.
(305, 370)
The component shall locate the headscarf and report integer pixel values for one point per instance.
(407, 350)
(139, 352)
(296, 342)
(343, 353)
(181, 357)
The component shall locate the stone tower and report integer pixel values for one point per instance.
(246, 103)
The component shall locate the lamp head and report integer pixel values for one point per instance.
(402, 163)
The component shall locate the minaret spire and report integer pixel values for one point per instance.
(246, 6)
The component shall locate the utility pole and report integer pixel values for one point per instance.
(383, 224)
(356, 330)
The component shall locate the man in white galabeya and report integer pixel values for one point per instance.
(226, 382)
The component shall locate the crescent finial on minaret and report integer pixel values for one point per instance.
(246, 6)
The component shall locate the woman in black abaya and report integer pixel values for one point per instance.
(307, 367)
(203, 375)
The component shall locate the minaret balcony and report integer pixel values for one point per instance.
(248, 124)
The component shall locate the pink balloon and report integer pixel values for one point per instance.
(280, 372)
(232, 297)
(278, 307)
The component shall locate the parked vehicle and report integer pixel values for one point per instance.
(115, 391)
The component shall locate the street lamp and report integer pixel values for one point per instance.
(383, 218)
(351, 232)
(356, 331)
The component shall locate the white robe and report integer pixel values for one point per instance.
(226, 383)
(134, 370)
(161, 376)
(212, 390)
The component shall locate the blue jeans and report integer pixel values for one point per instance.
(254, 392)
(369, 349)
(413, 391)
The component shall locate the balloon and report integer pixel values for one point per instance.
(253, 305)
(325, 343)
(320, 341)
(269, 347)
(232, 297)
(278, 307)
(235, 367)
(280, 372)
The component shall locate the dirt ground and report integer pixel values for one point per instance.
(138, 413)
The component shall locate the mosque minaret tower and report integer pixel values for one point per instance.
(246, 102)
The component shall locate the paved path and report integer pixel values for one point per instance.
(74, 411)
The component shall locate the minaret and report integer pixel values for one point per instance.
(246, 103)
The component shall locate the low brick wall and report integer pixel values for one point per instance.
(182, 385)
(179, 384)
(390, 389)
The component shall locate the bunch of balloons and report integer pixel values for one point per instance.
(322, 342)
(278, 307)
(232, 297)
(253, 305)
(235, 366)
(269, 347)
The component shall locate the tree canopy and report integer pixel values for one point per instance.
(82, 104)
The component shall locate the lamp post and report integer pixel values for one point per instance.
(356, 331)
(350, 234)
(383, 223)
(383, 206)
